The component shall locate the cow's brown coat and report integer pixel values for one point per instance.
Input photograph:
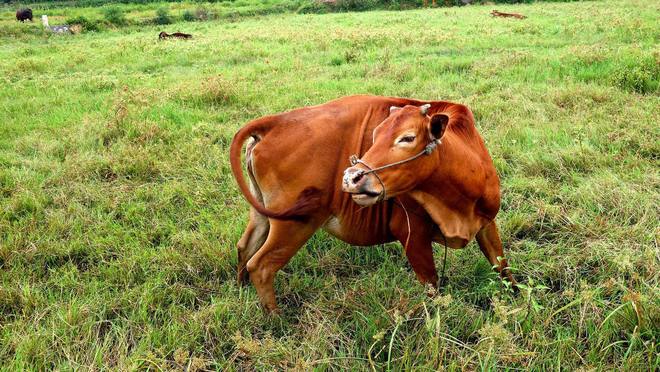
(296, 161)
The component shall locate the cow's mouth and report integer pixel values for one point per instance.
(366, 198)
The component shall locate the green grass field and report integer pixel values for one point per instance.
(119, 215)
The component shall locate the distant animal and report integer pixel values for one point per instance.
(24, 14)
(177, 35)
(61, 29)
(496, 13)
(421, 174)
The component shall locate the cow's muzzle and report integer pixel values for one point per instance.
(361, 185)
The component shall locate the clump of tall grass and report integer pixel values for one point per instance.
(641, 76)
(115, 15)
(163, 16)
(215, 90)
(199, 14)
(188, 16)
(355, 5)
(20, 30)
(86, 24)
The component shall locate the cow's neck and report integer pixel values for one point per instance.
(458, 225)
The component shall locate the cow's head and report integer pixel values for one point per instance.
(407, 132)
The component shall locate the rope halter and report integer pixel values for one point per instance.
(354, 160)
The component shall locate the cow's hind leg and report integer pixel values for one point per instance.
(258, 225)
(284, 239)
(491, 246)
(253, 238)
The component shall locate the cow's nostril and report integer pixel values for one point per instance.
(358, 177)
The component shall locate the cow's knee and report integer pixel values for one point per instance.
(259, 274)
(240, 249)
(253, 238)
(242, 276)
(251, 266)
(242, 243)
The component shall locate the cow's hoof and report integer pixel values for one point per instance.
(272, 311)
(431, 289)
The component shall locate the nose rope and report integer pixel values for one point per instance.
(355, 160)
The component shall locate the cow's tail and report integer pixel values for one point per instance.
(309, 199)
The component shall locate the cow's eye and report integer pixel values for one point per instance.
(406, 139)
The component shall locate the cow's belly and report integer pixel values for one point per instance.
(357, 234)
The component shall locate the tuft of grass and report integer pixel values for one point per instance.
(163, 16)
(86, 24)
(200, 14)
(641, 76)
(115, 16)
(188, 16)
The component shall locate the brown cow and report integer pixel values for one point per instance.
(24, 14)
(445, 186)
(176, 35)
(496, 13)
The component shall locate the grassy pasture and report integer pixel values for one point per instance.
(118, 213)
(136, 15)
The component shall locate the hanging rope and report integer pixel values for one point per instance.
(443, 279)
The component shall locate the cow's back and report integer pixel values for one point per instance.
(311, 146)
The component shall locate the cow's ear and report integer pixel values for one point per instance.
(394, 109)
(438, 124)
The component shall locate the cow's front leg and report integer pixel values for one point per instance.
(420, 255)
(284, 239)
(412, 227)
(491, 246)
